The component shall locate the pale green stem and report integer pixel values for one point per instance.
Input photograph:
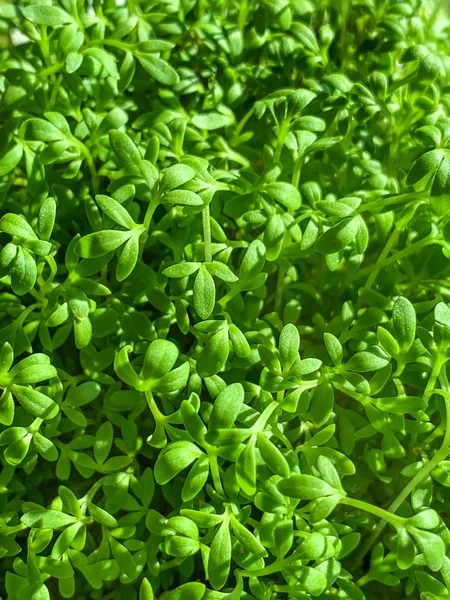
(398, 199)
(215, 471)
(298, 162)
(373, 510)
(426, 241)
(393, 238)
(242, 124)
(207, 233)
(150, 211)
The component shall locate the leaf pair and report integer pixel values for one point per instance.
(157, 373)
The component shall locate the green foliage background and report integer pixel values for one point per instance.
(224, 288)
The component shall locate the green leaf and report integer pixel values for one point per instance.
(406, 551)
(430, 584)
(34, 373)
(365, 361)
(211, 120)
(204, 293)
(426, 164)
(115, 211)
(337, 237)
(220, 557)
(322, 404)
(73, 62)
(17, 451)
(177, 545)
(36, 403)
(46, 218)
(221, 271)
(159, 69)
(400, 404)
(11, 159)
(176, 176)
(182, 270)
(101, 516)
(289, 345)
(17, 225)
(125, 149)
(196, 479)
(106, 59)
(425, 519)
(45, 447)
(440, 190)
(214, 355)
(159, 359)
(284, 193)
(305, 487)
(272, 456)
(404, 323)
(432, 547)
(174, 459)
(227, 407)
(47, 519)
(173, 381)
(145, 590)
(24, 273)
(183, 197)
(124, 369)
(42, 14)
(129, 257)
(103, 442)
(188, 591)
(123, 557)
(334, 347)
(246, 468)
(247, 539)
(100, 243)
(38, 129)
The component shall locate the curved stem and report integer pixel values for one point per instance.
(150, 211)
(397, 199)
(215, 471)
(426, 241)
(393, 238)
(373, 510)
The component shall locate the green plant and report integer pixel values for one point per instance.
(224, 288)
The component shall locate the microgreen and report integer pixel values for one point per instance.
(224, 299)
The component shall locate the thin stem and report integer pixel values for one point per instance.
(157, 414)
(114, 43)
(173, 563)
(50, 70)
(53, 268)
(374, 510)
(398, 199)
(284, 128)
(207, 233)
(242, 124)
(215, 471)
(90, 162)
(265, 416)
(150, 211)
(275, 567)
(229, 295)
(391, 242)
(298, 163)
(426, 241)
(280, 286)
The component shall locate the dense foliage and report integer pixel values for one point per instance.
(224, 288)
